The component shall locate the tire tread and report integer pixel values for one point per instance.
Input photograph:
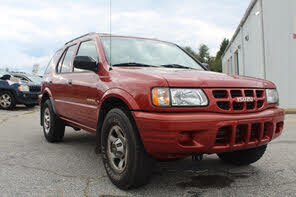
(138, 174)
(57, 130)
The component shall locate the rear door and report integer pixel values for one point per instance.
(62, 82)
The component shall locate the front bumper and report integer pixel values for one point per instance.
(171, 135)
(27, 98)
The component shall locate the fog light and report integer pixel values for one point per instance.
(185, 137)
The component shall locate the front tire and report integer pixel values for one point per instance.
(7, 101)
(243, 157)
(53, 127)
(125, 159)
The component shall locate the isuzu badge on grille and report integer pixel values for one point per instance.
(244, 99)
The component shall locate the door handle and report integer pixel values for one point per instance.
(70, 82)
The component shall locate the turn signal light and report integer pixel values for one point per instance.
(161, 96)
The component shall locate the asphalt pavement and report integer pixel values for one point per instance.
(30, 166)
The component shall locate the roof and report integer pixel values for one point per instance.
(91, 33)
(112, 35)
(242, 22)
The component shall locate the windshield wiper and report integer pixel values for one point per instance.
(175, 66)
(134, 64)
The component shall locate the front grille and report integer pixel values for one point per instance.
(227, 99)
(241, 133)
(35, 88)
(223, 105)
(255, 131)
(235, 93)
(223, 135)
(249, 93)
(238, 106)
(250, 105)
(259, 93)
(220, 93)
(245, 133)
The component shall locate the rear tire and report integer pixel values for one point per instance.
(125, 159)
(7, 101)
(53, 127)
(243, 157)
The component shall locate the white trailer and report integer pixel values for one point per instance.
(264, 46)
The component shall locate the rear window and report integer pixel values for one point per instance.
(65, 62)
(66, 66)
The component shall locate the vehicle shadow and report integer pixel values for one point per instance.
(180, 174)
(25, 108)
(79, 138)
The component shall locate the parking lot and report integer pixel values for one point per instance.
(29, 166)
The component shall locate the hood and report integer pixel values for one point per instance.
(30, 84)
(197, 78)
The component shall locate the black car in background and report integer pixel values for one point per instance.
(14, 91)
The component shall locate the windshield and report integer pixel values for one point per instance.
(25, 78)
(35, 78)
(143, 52)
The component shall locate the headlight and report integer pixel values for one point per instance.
(188, 97)
(23, 88)
(272, 96)
(165, 97)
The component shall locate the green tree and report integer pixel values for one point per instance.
(216, 65)
(223, 47)
(203, 53)
(190, 50)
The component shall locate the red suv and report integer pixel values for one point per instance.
(147, 99)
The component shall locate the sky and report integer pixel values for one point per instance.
(32, 30)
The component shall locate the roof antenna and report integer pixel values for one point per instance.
(110, 12)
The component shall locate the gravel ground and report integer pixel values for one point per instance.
(29, 166)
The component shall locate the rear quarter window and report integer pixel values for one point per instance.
(67, 61)
(53, 62)
(64, 65)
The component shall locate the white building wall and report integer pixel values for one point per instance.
(228, 62)
(253, 45)
(274, 58)
(248, 43)
(280, 48)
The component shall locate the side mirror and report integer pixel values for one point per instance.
(207, 67)
(85, 63)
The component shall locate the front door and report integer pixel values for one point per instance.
(83, 89)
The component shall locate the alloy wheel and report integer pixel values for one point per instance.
(46, 120)
(117, 149)
(5, 100)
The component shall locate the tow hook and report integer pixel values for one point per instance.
(197, 157)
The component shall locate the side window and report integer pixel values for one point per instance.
(59, 67)
(53, 62)
(66, 65)
(87, 48)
